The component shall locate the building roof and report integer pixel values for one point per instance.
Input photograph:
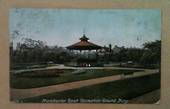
(84, 44)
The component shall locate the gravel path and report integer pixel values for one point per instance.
(67, 67)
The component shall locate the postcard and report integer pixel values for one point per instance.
(108, 56)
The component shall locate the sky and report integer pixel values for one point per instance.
(63, 27)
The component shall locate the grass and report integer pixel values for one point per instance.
(154, 66)
(33, 82)
(121, 89)
(30, 66)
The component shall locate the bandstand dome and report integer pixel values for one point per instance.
(84, 44)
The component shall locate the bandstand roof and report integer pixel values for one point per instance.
(84, 44)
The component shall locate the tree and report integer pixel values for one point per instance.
(152, 54)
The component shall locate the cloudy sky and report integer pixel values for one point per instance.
(62, 27)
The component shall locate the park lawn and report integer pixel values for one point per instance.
(33, 82)
(30, 66)
(121, 89)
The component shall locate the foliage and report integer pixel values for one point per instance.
(36, 51)
(33, 51)
(152, 53)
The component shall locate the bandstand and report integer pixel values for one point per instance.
(87, 53)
